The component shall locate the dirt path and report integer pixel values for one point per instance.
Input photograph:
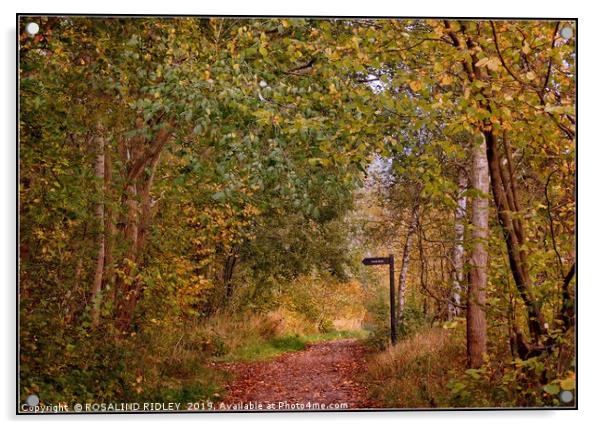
(324, 375)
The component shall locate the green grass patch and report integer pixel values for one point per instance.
(262, 350)
(288, 343)
(337, 335)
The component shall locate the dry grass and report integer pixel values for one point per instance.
(414, 373)
(352, 324)
(242, 330)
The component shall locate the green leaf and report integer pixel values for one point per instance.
(552, 389)
(219, 196)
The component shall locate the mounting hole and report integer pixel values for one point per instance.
(566, 32)
(32, 28)
(32, 400)
(566, 396)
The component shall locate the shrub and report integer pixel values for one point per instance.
(534, 382)
(411, 321)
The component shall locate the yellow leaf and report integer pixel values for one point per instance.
(530, 75)
(467, 92)
(415, 85)
(446, 79)
(493, 64)
(568, 383)
(482, 62)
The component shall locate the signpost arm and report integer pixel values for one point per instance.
(392, 298)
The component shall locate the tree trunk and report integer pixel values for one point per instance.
(453, 307)
(124, 288)
(99, 212)
(405, 260)
(137, 199)
(146, 205)
(513, 235)
(126, 293)
(109, 282)
(228, 273)
(476, 324)
(142, 219)
(568, 306)
(504, 192)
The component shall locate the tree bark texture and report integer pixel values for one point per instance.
(476, 323)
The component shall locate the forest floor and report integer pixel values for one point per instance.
(326, 375)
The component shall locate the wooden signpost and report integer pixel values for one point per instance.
(390, 260)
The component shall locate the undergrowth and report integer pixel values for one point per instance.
(427, 369)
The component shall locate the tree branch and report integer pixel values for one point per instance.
(552, 233)
(545, 84)
(501, 57)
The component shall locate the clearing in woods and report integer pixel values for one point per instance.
(324, 374)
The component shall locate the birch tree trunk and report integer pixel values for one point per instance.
(476, 324)
(405, 260)
(99, 171)
(453, 307)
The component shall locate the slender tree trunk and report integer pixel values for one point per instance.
(109, 227)
(453, 307)
(568, 306)
(146, 206)
(476, 324)
(99, 212)
(228, 273)
(125, 289)
(405, 260)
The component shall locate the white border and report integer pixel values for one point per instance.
(590, 157)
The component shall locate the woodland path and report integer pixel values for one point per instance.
(325, 373)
